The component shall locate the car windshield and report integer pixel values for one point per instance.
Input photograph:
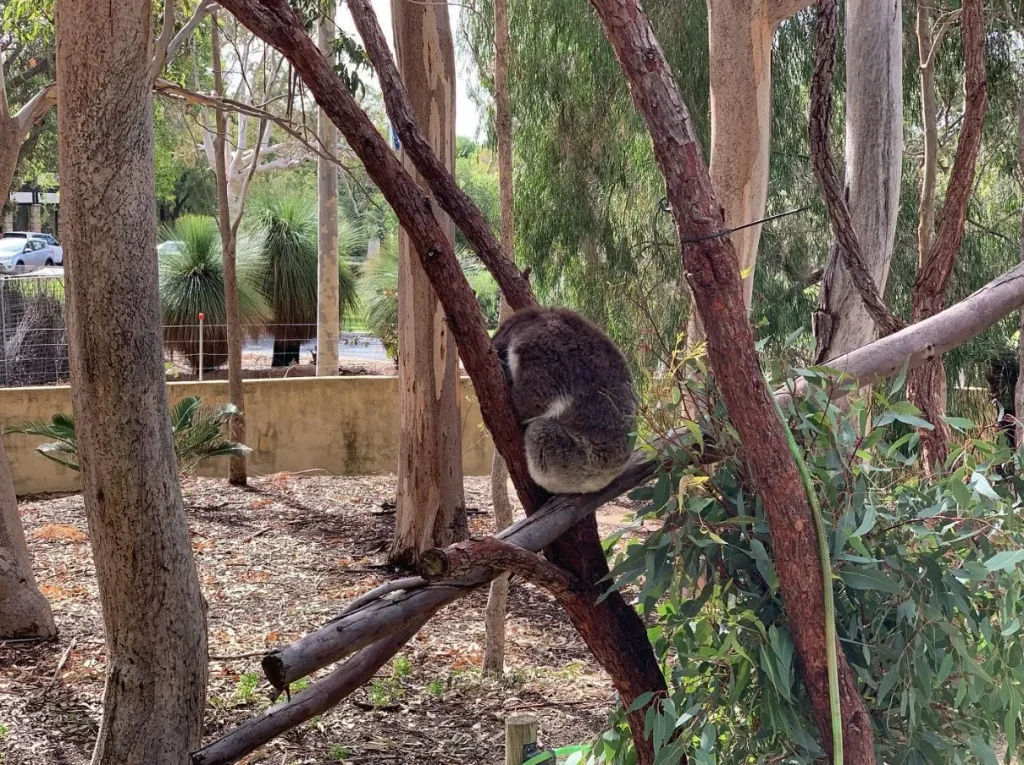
(11, 246)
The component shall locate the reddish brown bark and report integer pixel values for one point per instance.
(926, 386)
(452, 199)
(612, 630)
(712, 269)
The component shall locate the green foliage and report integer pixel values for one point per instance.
(246, 688)
(284, 264)
(928, 584)
(378, 290)
(192, 282)
(197, 432)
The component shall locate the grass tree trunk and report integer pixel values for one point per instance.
(431, 509)
(24, 611)
(874, 163)
(236, 393)
(153, 611)
(327, 328)
(497, 599)
(926, 385)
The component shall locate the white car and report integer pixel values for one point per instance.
(25, 252)
(56, 252)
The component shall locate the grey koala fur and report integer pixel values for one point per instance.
(573, 395)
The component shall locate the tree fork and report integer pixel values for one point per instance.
(613, 630)
(372, 621)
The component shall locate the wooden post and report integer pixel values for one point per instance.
(520, 730)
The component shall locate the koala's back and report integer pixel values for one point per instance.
(573, 394)
(553, 352)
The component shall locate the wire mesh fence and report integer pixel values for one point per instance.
(34, 337)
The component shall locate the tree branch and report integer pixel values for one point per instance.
(455, 202)
(929, 290)
(828, 179)
(492, 553)
(33, 111)
(780, 10)
(167, 45)
(380, 616)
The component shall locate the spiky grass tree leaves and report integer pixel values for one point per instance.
(197, 431)
(378, 292)
(283, 264)
(192, 282)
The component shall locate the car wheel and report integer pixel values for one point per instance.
(49, 261)
(20, 263)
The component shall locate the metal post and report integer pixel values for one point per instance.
(202, 317)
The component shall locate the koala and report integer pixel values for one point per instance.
(573, 396)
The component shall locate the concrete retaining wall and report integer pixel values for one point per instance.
(338, 425)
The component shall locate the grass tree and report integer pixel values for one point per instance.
(378, 292)
(284, 266)
(192, 282)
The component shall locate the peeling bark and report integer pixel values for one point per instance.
(431, 506)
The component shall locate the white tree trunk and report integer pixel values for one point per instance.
(1019, 392)
(874, 157)
(24, 612)
(153, 611)
(431, 508)
(237, 474)
(327, 328)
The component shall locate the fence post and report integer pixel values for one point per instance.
(202, 317)
(520, 730)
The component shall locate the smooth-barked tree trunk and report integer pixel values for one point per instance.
(327, 328)
(153, 612)
(874, 163)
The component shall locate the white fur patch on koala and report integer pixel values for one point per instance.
(512, 359)
(558, 407)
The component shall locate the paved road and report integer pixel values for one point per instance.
(351, 345)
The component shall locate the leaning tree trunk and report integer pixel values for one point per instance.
(926, 385)
(712, 270)
(327, 329)
(236, 393)
(24, 611)
(874, 163)
(153, 612)
(431, 508)
(497, 599)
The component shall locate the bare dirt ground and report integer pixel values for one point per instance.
(275, 561)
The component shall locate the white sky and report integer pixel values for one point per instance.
(467, 119)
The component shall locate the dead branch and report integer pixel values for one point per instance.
(514, 287)
(491, 553)
(828, 179)
(308, 703)
(385, 609)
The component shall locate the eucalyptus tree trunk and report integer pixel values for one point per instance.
(15, 128)
(228, 241)
(24, 611)
(431, 509)
(926, 385)
(874, 163)
(153, 611)
(740, 50)
(327, 328)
